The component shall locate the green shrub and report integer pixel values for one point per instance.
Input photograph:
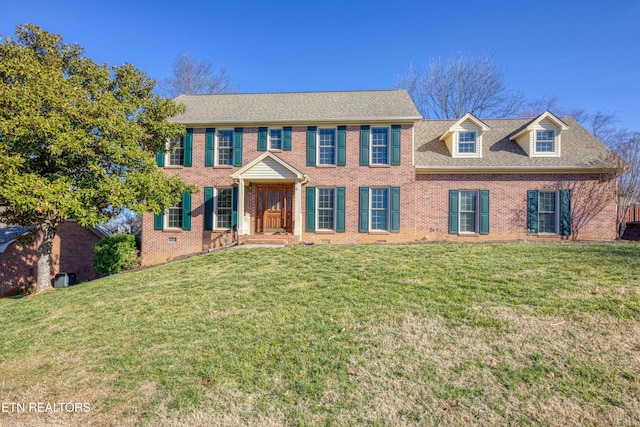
(115, 253)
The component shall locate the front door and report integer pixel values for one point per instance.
(274, 209)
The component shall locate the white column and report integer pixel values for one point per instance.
(241, 230)
(297, 221)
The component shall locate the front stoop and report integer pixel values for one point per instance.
(269, 239)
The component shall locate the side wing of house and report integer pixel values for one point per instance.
(542, 178)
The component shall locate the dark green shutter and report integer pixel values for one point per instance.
(364, 145)
(286, 138)
(158, 221)
(234, 208)
(208, 208)
(311, 209)
(237, 147)
(186, 211)
(209, 147)
(160, 159)
(188, 148)
(342, 146)
(484, 211)
(311, 145)
(532, 211)
(395, 209)
(565, 212)
(363, 219)
(395, 145)
(341, 203)
(262, 139)
(453, 211)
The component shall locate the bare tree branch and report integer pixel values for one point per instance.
(193, 77)
(464, 84)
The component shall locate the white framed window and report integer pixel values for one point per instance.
(175, 157)
(380, 146)
(548, 212)
(173, 217)
(223, 208)
(468, 211)
(467, 143)
(545, 141)
(327, 146)
(379, 209)
(326, 209)
(275, 139)
(224, 146)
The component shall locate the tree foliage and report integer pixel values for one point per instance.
(464, 84)
(193, 77)
(77, 138)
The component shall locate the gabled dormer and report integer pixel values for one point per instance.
(464, 138)
(541, 138)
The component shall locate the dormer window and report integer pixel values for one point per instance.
(467, 142)
(545, 141)
(542, 136)
(464, 137)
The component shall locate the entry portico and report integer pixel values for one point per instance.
(275, 202)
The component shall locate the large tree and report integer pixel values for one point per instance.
(460, 85)
(77, 139)
(195, 77)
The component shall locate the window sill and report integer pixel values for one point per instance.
(223, 167)
(326, 166)
(380, 166)
(275, 150)
(325, 232)
(546, 235)
(379, 232)
(468, 234)
(174, 167)
(172, 230)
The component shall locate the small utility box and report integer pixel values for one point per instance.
(62, 280)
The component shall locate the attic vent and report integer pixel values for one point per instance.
(172, 240)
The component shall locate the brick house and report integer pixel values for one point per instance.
(72, 252)
(363, 167)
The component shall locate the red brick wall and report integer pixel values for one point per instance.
(508, 204)
(72, 252)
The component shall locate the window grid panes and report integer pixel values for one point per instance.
(379, 208)
(225, 147)
(275, 139)
(174, 216)
(547, 212)
(379, 146)
(468, 210)
(176, 157)
(327, 146)
(544, 141)
(224, 208)
(326, 208)
(467, 142)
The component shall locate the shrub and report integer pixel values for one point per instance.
(115, 254)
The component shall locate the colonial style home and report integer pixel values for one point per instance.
(363, 167)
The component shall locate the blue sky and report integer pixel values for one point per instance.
(586, 53)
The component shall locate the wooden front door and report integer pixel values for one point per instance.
(274, 209)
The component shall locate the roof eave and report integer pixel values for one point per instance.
(422, 169)
(401, 119)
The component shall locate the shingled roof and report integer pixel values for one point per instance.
(580, 149)
(298, 107)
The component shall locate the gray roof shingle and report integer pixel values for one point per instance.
(298, 107)
(579, 148)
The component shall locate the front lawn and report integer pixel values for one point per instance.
(438, 334)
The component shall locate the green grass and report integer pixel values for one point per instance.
(447, 334)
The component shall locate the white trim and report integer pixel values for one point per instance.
(388, 209)
(269, 129)
(335, 205)
(457, 125)
(217, 146)
(298, 175)
(562, 126)
(389, 136)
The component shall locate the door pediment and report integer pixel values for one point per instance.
(269, 167)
